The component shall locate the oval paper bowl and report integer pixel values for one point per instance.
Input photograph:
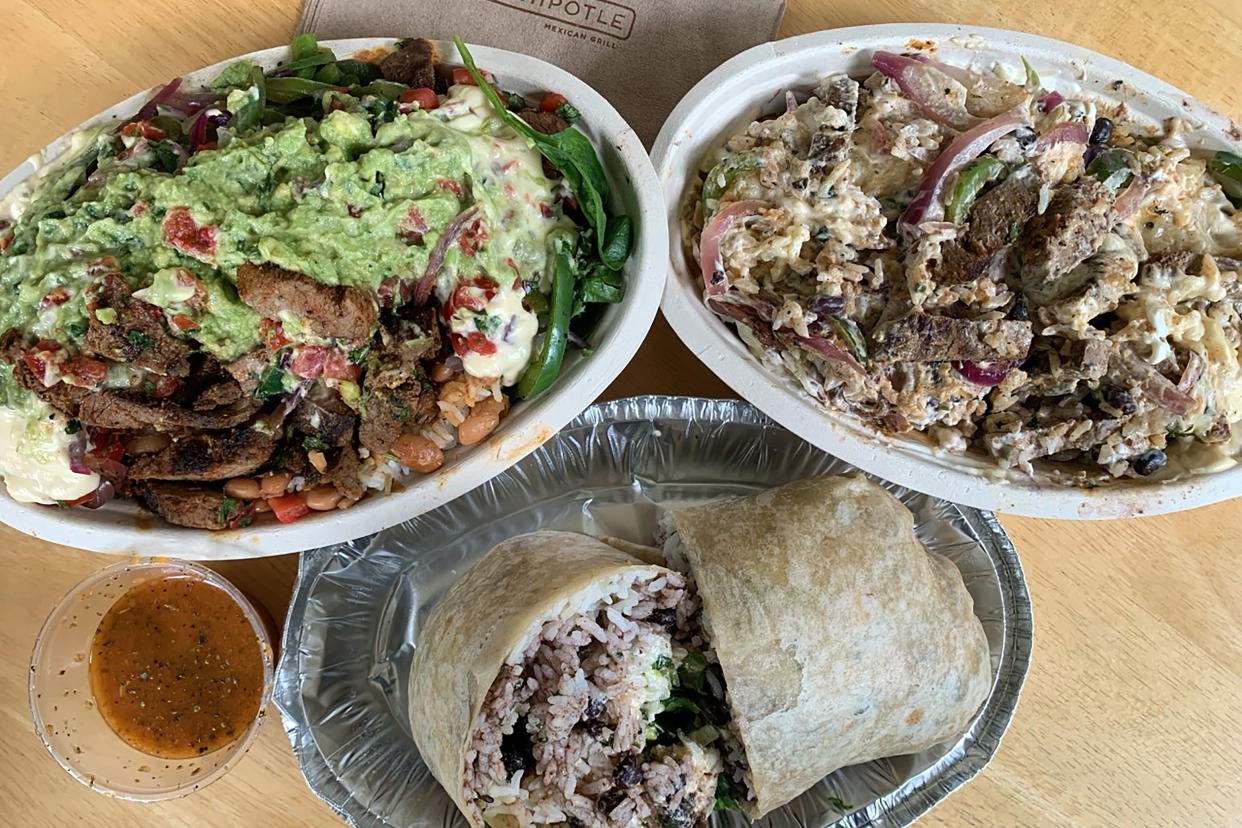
(754, 82)
(122, 528)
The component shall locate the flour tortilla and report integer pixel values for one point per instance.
(491, 614)
(840, 637)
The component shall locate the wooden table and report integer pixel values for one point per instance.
(1132, 713)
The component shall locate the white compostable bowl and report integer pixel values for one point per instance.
(121, 528)
(753, 83)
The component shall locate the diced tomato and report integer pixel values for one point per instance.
(146, 129)
(551, 101)
(37, 363)
(473, 341)
(423, 96)
(104, 264)
(472, 237)
(413, 226)
(184, 323)
(337, 366)
(450, 184)
(80, 500)
(462, 75)
(308, 361)
(473, 294)
(273, 334)
(139, 208)
(288, 507)
(210, 145)
(85, 370)
(58, 295)
(183, 233)
(6, 238)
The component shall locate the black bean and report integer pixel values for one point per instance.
(609, 800)
(824, 305)
(1101, 131)
(665, 617)
(594, 707)
(1020, 310)
(799, 183)
(1025, 136)
(515, 749)
(1119, 399)
(1149, 462)
(627, 773)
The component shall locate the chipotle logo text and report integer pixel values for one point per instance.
(596, 15)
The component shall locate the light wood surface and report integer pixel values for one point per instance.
(1132, 714)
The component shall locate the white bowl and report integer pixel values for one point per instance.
(754, 82)
(121, 528)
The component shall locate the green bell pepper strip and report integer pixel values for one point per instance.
(970, 182)
(726, 172)
(546, 365)
(851, 335)
(1226, 168)
(287, 90)
(1111, 167)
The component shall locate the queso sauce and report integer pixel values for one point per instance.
(176, 668)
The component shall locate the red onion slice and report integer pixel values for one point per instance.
(829, 350)
(436, 260)
(926, 86)
(103, 494)
(989, 94)
(149, 109)
(986, 374)
(198, 128)
(77, 454)
(1051, 101)
(714, 282)
(961, 151)
(1074, 131)
(1131, 197)
(1195, 365)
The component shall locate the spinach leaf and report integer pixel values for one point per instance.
(726, 799)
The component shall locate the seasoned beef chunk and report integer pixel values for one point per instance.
(1094, 287)
(414, 337)
(413, 64)
(118, 409)
(546, 122)
(343, 474)
(137, 336)
(213, 456)
(184, 505)
(391, 410)
(327, 310)
(1019, 447)
(830, 142)
(224, 391)
(63, 397)
(995, 221)
(248, 369)
(323, 414)
(1054, 243)
(922, 338)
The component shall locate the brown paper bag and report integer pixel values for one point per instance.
(642, 55)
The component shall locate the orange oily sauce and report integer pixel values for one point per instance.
(176, 668)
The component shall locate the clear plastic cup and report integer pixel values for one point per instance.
(64, 709)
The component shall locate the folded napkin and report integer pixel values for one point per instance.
(642, 55)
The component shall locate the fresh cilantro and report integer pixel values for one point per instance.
(166, 158)
(76, 329)
(272, 382)
(726, 799)
(225, 512)
(662, 664)
(840, 804)
(141, 340)
(246, 521)
(1011, 235)
(568, 112)
(675, 702)
(357, 355)
(515, 102)
(313, 442)
(486, 323)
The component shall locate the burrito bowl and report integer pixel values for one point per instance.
(252, 356)
(983, 263)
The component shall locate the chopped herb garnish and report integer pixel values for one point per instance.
(141, 340)
(313, 442)
(225, 513)
(840, 804)
(271, 383)
(726, 800)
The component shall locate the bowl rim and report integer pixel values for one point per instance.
(121, 529)
(904, 461)
(158, 567)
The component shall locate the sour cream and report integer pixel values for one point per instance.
(34, 459)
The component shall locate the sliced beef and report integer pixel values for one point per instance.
(326, 310)
(922, 338)
(396, 395)
(343, 474)
(138, 336)
(248, 369)
(212, 456)
(830, 143)
(198, 507)
(546, 122)
(63, 397)
(414, 64)
(122, 410)
(413, 336)
(1076, 220)
(1015, 448)
(995, 221)
(1096, 286)
(224, 391)
(323, 414)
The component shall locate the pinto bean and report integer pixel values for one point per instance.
(147, 444)
(274, 485)
(417, 452)
(440, 372)
(323, 498)
(242, 488)
(480, 422)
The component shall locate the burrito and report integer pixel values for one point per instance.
(571, 681)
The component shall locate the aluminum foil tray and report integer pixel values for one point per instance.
(357, 607)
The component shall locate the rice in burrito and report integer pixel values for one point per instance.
(571, 682)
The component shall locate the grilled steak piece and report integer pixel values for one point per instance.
(323, 414)
(138, 336)
(326, 310)
(198, 507)
(118, 409)
(995, 222)
(343, 474)
(392, 410)
(412, 338)
(922, 338)
(1094, 287)
(413, 64)
(830, 142)
(547, 122)
(248, 369)
(63, 397)
(1018, 447)
(1077, 219)
(213, 456)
